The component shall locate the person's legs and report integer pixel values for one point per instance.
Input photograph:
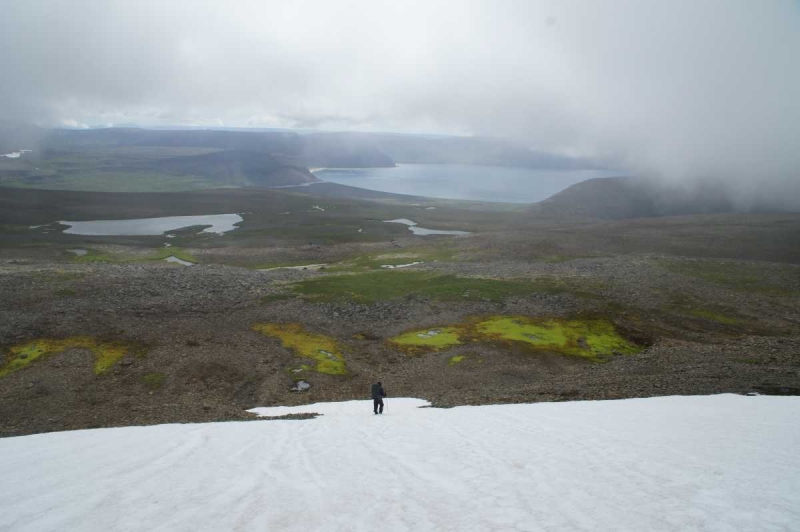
(380, 402)
(375, 403)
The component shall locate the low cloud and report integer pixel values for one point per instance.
(676, 91)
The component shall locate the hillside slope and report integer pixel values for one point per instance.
(623, 197)
(670, 463)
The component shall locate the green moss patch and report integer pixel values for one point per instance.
(66, 292)
(736, 275)
(157, 254)
(592, 339)
(458, 359)
(711, 315)
(271, 298)
(428, 339)
(322, 349)
(106, 353)
(379, 261)
(279, 265)
(688, 306)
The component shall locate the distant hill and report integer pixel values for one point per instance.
(342, 150)
(15, 136)
(471, 150)
(334, 150)
(313, 150)
(622, 197)
(142, 160)
(236, 167)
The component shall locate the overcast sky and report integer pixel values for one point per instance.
(674, 88)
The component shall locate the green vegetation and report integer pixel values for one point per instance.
(456, 360)
(117, 181)
(106, 353)
(154, 380)
(66, 292)
(302, 230)
(276, 265)
(714, 316)
(10, 229)
(558, 258)
(429, 339)
(685, 305)
(734, 275)
(592, 339)
(158, 254)
(58, 276)
(376, 286)
(376, 261)
(119, 169)
(269, 298)
(320, 348)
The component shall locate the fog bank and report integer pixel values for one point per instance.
(675, 91)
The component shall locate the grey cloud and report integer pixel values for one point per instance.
(678, 91)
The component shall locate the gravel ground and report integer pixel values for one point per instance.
(193, 326)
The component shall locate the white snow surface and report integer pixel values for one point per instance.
(15, 154)
(710, 463)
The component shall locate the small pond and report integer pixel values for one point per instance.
(414, 228)
(220, 223)
(173, 258)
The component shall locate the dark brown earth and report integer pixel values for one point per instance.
(193, 324)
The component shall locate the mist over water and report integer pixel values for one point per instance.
(463, 182)
(681, 92)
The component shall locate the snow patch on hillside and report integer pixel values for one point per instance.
(722, 463)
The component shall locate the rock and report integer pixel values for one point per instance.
(300, 386)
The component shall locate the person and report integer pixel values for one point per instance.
(378, 393)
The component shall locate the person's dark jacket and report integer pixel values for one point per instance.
(378, 391)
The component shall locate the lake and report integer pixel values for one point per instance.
(463, 182)
(417, 230)
(220, 223)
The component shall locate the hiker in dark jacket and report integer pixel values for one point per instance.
(378, 393)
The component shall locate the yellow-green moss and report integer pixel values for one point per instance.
(106, 353)
(591, 339)
(428, 339)
(456, 360)
(320, 348)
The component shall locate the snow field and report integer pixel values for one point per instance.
(721, 462)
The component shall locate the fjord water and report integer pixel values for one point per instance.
(463, 182)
